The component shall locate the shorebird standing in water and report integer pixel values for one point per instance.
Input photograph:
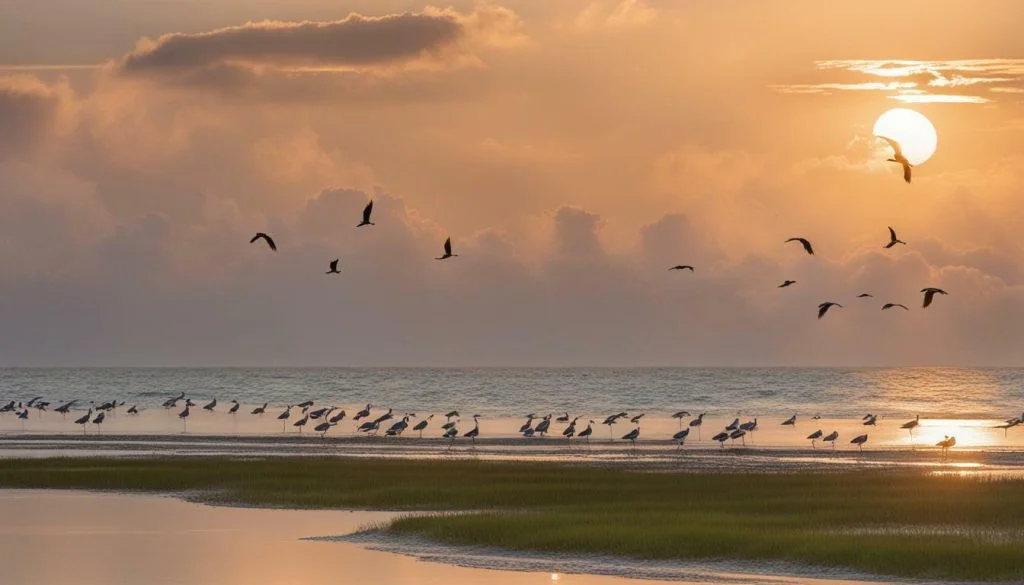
(814, 437)
(697, 422)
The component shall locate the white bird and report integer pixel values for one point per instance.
(897, 157)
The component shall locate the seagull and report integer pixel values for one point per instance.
(682, 267)
(888, 306)
(814, 437)
(269, 240)
(447, 250)
(366, 215)
(787, 283)
(334, 267)
(893, 240)
(865, 295)
(859, 440)
(930, 293)
(831, 438)
(824, 307)
(897, 157)
(803, 241)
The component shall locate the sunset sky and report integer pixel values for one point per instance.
(573, 151)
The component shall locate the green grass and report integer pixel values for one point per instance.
(804, 518)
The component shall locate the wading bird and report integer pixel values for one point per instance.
(831, 438)
(911, 425)
(893, 240)
(897, 157)
(739, 434)
(946, 444)
(814, 437)
(721, 438)
(929, 294)
(824, 307)
(301, 422)
(183, 415)
(84, 420)
(447, 251)
(367, 211)
(1008, 425)
(544, 425)
(563, 418)
(680, 437)
(680, 416)
(571, 429)
(266, 238)
(399, 427)
(803, 242)
(422, 425)
(362, 413)
(99, 420)
(337, 418)
(697, 422)
(632, 436)
(474, 432)
(636, 419)
(859, 440)
(585, 433)
(528, 424)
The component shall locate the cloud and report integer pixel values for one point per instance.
(603, 14)
(28, 111)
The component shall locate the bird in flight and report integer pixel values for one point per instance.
(824, 307)
(888, 306)
(787, 283)
(893, 240)
(929, 294)
(334, 267)
(269, 240)
(865, 295)
(803, 241)
(447, 250)
(897, 157)
(366, 215)
(682, 267)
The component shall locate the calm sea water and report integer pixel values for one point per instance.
(931, 392)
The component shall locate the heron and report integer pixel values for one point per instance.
(447, 251)
(893, 240)
(367, 211)
(266, 238)
(929, 294)
(803, 242)
(897, 157)
(422, 425)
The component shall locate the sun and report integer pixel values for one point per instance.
(912, 130)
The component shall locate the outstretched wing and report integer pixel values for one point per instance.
(367, 211)
(895, 146)
(265, 237)
(822, 309)
(448, 247)
(928, 295)
(906, 172)
(807, 246)
(334, 264)
(892, 235)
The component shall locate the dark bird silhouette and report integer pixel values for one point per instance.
(682, 267)
(911, 425)
(260, 409)
(447, 250)
(859, 440)
(337, 418)
(134, 409)
(898, 157)
(422, 425)
(790, 422)
(893, 240)
(831, 438)
(888, 306)
(585, 433)
(234, 407)
(929, 294)
(268, 239)
(366, 215)
(865, 295)
(803, 242)
(210, 405)
(84, 420)
(680, 437)
(787, 283)
(362, 413)
(824, 307)
(946, 443)
(334, 267)
(813, 437)
(563, 418)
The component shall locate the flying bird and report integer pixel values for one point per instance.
(824, 307)
(929, 294)
(334, 267)
(893, 240)
(787, 283)
(888, 306)
(682, 267)
(898, 157)
(269, 240)
(366, 215)
(803, 242)
(447, 250)
(865, 295)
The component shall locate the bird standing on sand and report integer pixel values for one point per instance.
(474, 432)
(301, 422)
(682, 267)
(680, 415)
(803, 242)
(585, 433)
(632, 436)
(888, 306)
(680, 437)
(893, 240)
(528, 424)
(365, 413)
(84, 420)
(859, 440)
(183, 415)
(911, 425)
(929, 294)
(721, 437)
(897, 157)
(790, 422)
(99, 420)
(824, 307)
(266, 238)
(260, 410)
(563, 418)
(1009, 424)
(831, 438)
(544, 425)
(422, 425)
(447, 251)
(870, 420)
(697, 422)
(234, 407)
(334, 267)
(814, 437)
(367, 211)
(210, 405)
(946, 444)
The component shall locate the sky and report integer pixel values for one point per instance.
(572, 150)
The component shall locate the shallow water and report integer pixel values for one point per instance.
(103, 538)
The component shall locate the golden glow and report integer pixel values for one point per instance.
(555, 576)
(912, 130)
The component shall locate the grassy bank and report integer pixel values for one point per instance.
(884, 523)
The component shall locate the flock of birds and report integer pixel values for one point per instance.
(322, 419)
(823, 308)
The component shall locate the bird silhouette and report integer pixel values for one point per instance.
(824, 307)
(803, 242)
(787, 283)
(682, 267)
(334, 267)
(859, 440)
(265, 237)
(929, 294)
(888, 306)
(366, 215)
(865, 295)
(790, 422)
(447, 250)
(898, 157)
(893, 240)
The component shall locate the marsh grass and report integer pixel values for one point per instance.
(881, 523)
